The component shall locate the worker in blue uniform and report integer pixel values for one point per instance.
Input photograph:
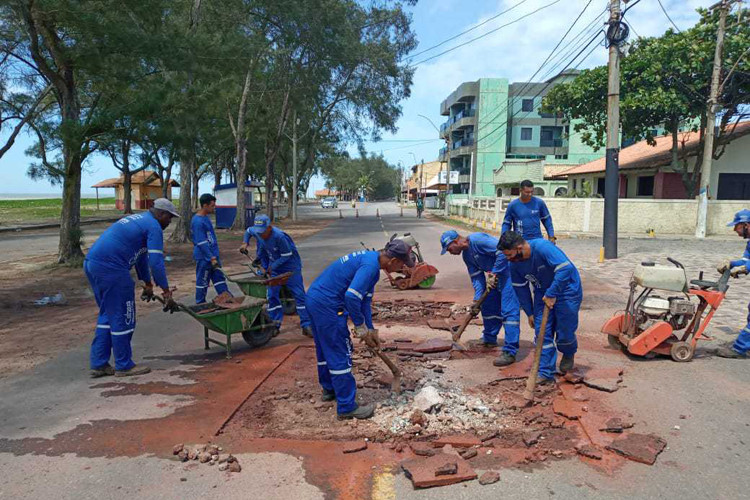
(500, 308)
(206, 251)
(738, 267)
(278, 255)
(538, 264)
(525, 214)
(136, 240)
(343, 292)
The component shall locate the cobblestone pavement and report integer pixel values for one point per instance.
(695, 255)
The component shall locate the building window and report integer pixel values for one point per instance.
(575, 187)
(525, 133)
(645, 186)
(734, 187)
(600, 186)
(527, 105)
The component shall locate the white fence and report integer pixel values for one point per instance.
(586, 215)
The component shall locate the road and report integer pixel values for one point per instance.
(64, 435)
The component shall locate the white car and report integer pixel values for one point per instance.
(329, 202)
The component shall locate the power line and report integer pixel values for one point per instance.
(412, 56)
(410, 145)
(666, 14)
(486, 34)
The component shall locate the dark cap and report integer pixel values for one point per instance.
(398, 249)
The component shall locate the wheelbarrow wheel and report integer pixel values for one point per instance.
(288, 305)
(262, 331)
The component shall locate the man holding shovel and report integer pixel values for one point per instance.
(344, 291)
(500, 306)
(557, 286)
(206, 251)
(278, 255)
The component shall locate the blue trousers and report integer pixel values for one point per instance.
(560, 334)
(742, 344)
(115, 296)
(205, 275)
(501, 308)
(296, 287)
(333, 350)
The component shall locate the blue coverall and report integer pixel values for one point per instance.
(343, 290)
(136, 240)
(525, 218)
(205, 247)
(550, 273)
(742, 344)
(279, 253)
(501, 305)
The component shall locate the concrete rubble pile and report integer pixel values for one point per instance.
(208, 454)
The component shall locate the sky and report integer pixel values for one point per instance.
(514, 52)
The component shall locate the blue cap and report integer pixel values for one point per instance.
(261, 223)
(447, 238)
(740, 217)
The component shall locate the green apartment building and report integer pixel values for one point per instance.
(497, 136)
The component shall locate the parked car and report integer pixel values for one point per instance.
(329, 202)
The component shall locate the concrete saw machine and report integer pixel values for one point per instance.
(665, 314)
(422, 275)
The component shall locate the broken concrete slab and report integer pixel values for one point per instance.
(457, 441)
(355, 447)
(427, 399)
(447, 469)
(438, 324)
(589, 451)
(616, 425)
(423, 449)
(604, 379)
(568, 409)
(421, 471)
(489, 477)
(530, 438)
(467, 454)
(433, 345)
(643, 448)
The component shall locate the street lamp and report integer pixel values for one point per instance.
(447, 164)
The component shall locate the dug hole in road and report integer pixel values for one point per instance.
(617, 426)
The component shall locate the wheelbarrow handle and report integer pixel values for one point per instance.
(180, 305)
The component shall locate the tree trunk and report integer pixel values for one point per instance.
(196, 187)
(69, 250)
(269, 185)
(240, 147)
(181, 233)
(127, 179)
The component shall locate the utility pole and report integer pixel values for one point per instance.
(612, 174)
(447, 173)
(294, 167)
(711, 108)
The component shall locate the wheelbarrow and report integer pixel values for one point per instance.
(245, 315)
(253, 285)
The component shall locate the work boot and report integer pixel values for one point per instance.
(104, 371)
(360, 412)
(566, 363)
(135, 370)
(727, 351)
(307, 331)
(545, 382)
(504, 359)
(328, 396)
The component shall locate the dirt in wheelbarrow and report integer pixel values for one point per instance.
(448, 398)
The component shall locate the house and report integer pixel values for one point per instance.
(492, 122)
(646, 172)
(145, 187)
(325, 193)
(424, 175)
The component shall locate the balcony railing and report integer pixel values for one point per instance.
(551, 143)
(466, 141)
(464, 113)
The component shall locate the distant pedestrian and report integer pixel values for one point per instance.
(206, 251)
(420, 207)
(136, 240)
(741, 346)
(526, 213)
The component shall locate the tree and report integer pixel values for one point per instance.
(665, 82)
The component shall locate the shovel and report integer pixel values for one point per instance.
(472, 314)
(528, 394)
(396, 386)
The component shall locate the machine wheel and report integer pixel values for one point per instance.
(681, 352)
(260, 336)
(427, 282)
(402, 283)
(614, 342)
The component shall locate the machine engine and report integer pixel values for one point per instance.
(677, 311)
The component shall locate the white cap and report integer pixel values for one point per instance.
(166, 205)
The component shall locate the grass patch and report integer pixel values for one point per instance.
(18, 211)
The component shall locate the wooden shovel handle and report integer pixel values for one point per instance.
(531, 381)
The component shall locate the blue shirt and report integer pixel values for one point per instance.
(549, 272)
(204, 238)
(481, 257)
(136, 240)
(277, 252)
(525, 218)
(348, 284)
(745, 260)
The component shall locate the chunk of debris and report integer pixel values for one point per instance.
(433, 345)
(604, 379)
(212, 449)
(616, 425)
(204, 457)
(235, 467)
(457, 441)
(568, 409)
(177, 449)
(467, 454)
(489, 477)
(487, 436)
(531, 438)
(589, 451)
(446, 469)
(355, 447)
(423, 449)
(427, 399)
(421, 471)
(643, 448)
(418, 418)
